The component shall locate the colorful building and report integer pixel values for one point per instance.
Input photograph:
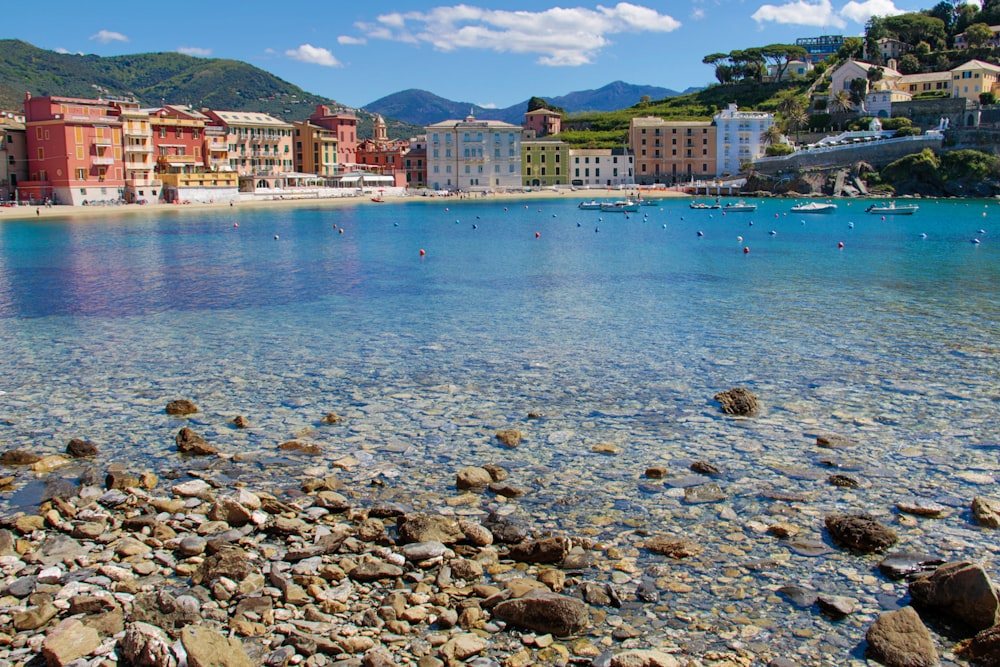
(973, 78)
(191, 156)
(415, 162)
(475, 155)
(544, 122)
(382, 155)
(141, 182)
(13, 154)
(344, 124)
(315, 149)
(74, 151)
(672, 151)
(260, 146)
(544, 162)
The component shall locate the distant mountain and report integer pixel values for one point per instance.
(154, 78)
(420, 107)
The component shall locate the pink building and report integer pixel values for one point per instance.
(345, 124)
(74, 151)
(382, 156)
(544, 122)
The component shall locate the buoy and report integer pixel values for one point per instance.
(751, 223)
(923, 236)
(475, 226)
(850, 225)
(701, 233)
(334, 225)
(597, 229)
(578, 224)
(739, 239)
(664, 226)
(275, 237)
(982, 231)
(773, 233)
(457, 221)
(776, 215)
(236, 224)
(840, 244)
(883, 218)
(395, 224)
(422, 252)
(446, 209)
(975, 241)
(537, 235)
(505, 208)
(340, 231)
(746, 250)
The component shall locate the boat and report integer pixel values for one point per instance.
(702, 206)
(650, 202)
(592, 205)
(620, 206)
(892, 209)
(814, 207)
(739, 207)
(378, 200)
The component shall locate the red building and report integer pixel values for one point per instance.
(382, 156)
(74, 151)
(345, 124)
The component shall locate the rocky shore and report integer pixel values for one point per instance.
(203, 570)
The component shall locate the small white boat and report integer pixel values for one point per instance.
(892, 209)
(650, 202)
(592, 205)
(739, 207)
(814, 207)
(702, 206)
(621, 206)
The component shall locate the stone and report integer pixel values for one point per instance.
(672, 547)
(843, 481)
(232, 563)
(643, 658)
(196, 488)
(705, 468)
(50, 463)
(189, 442)
(986, 511)
(18, 457)
(331, 418)
(80, 449)
(239, 421)
(860, 533)
(34, 617)
(704, 493)
(900, 639)
(375, 570)
(899, 564)
(300, 447)
(545, 612)
(475, 533)
(461, 647)
(962, 591)
(181, 407)
(119, 479)
(206, 647)
(507, 490)
(836, 606)
(496, 472)
(738, 401)
(69, 640)
(834, 441)
(473, 477)
(192, 545)
(419, 527)
(921, 507)
(983, 649)
(145, 645)
(420, 551)
(510, 437)
(547, 550)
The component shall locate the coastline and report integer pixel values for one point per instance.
(43, 212)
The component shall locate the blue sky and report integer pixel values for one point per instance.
(489, 52)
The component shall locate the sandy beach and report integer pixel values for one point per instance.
(48, 212)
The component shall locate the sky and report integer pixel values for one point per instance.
(494, 53)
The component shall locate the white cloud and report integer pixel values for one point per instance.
(860, 12)
(697, 14)
(347, 40)
(107, 36)
(316, 55)
(488, 105)
(800, 12)
(194, 51)
(559, 36)
(62, 50)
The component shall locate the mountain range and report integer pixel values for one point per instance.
(175, 78)
(420, 107)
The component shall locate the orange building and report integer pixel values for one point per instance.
(74, 151)
(672, 151)
(345, 125)
(315, 149)
(382, 156)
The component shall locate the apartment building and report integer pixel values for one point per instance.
(739, 138)
(344, 124)
(74, 151)
(13, 154)
(972, 78)
(382, 155)
(415, 162)
(141, 182)
(259, 146)
(672, 151)
(192, 156)
(316, 149)
(601, 167)
(543, 122)
(473, 155)
(544, 162)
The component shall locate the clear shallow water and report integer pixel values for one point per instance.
(619, 336)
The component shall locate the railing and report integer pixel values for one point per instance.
(138, 148)
(102, 160)
(102, 141)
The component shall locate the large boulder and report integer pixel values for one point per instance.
(206, 647)
(547, 550)
(545, 612)
(738, 401)
(961, 590)
(983, 649)
(419, 527)
(900, 639)
(861, 533)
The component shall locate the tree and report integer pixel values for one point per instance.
(796, 121)
(645, 100)
(987, 98)
(852, 48)
(978, 34)
(718, 60)
(858, 88)
(840, 102)
(874, 31)
(965, 15)
(790, 103)
(914, 27)
(536, 103)
(909, 64)
(772, 135)
(946, 12)
(780, 55)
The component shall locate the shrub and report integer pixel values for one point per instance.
(776, 150)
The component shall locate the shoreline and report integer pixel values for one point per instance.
(52, 212)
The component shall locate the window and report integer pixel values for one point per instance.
(41, 154)
(81, 174)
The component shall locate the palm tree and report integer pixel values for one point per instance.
(772, 135)
(840, 102)
(796, 121)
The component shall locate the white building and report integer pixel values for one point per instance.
(473, 154)
(601, 167)
(738, 138)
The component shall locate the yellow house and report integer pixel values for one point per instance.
(973, 78)
(315, 149)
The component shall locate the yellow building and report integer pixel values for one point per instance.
(971, 79)
(260, 146)
(315, 149)
(544, 162)
(672, 151)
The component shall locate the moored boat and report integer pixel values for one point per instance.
(739, 207)
(620, 206)
(703, 206)
(814, 207)
(892, 209)
(592, 205)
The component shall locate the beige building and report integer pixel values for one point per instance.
(141, 181)
(544, 162)
(601, 167)
(672, 151)
(473, 155)
(925, 83)
(971, 79)
(260, 146)
(13, 154)
(841, 78)
(315, 149)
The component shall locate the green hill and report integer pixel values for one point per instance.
(157, 78)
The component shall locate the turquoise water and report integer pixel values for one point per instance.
(620, 330)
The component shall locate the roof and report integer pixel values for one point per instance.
(927, 76)
(651, 121)
(976, 64)
(886, 71)
(543, 112)
(248, 118)
(471, 123)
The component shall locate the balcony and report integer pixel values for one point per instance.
(102, 160)
(138, 132)
(102, 141)
(138, 148)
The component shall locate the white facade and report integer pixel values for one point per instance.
(601, 168)
(738, 138)
(473, 155)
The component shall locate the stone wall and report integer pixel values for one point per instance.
(927, 114)
(877, 154)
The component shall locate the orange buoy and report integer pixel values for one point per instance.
(236, 224)
(746, 250)
(840, 244)
(422, 252)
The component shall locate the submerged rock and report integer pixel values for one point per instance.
(738, 401)
(861, 533)
(962, 591)
(181, 407)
